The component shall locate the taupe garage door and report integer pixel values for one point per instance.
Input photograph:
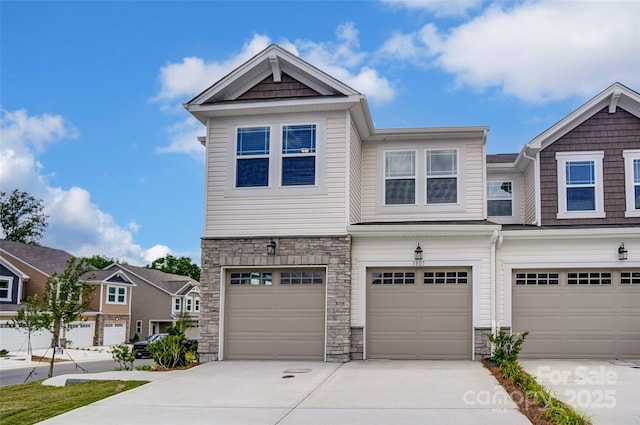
(275, 314)
(419, 314)
(578, 313)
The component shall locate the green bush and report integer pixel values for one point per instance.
(3, 352)
(123, 355)
(173, 351)
(507, 347)
(135, 338)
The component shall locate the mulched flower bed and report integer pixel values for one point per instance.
(525, 404)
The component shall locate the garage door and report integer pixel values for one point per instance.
(80, 334)
(578, 313)
(275, 314)
(419, 314)
(14, 339)
(114, 333)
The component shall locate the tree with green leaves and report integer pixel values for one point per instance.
(181, 266)
(101, 261)
(21, 217)
(30, 319)
(66, 296)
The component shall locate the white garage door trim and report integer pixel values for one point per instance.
(113, 333)
(222, 328)
(13, 339)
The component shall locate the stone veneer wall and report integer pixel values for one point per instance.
(331, 251)
(101, 319)
(357, 343)
(482, 347)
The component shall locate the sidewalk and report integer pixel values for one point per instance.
(18, 359)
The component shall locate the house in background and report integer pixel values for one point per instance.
(24, 270)
(329, 239)
(160, 299)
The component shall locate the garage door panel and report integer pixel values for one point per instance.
(419, 320)
(274, 321)
(594, 320)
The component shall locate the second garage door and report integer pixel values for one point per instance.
(419, 314)
(277, 314)
(578, 313)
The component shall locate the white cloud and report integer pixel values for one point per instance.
(538, 51)
(183, 137)
(75, 224)
(440, 8)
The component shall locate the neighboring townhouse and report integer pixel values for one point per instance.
(328, 239)
(24, 270)
(161, 299)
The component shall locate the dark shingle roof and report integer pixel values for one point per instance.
(47, 260)
(501, 158)
(171, 283)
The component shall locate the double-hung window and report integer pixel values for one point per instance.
(632, 182)
(442, 176)
(580, 187)
(252, 156)
(6, 283)
(177, 304)
(299, 155)
(400, 178)
(116, 295)
(500, 199)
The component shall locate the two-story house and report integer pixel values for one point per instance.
(24, 271)
(160, 300)
(329, 239)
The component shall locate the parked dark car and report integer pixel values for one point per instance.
(140, 347)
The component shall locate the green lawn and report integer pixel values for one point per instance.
(33, 402)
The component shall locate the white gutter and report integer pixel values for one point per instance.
(536, 183)
(494, 300)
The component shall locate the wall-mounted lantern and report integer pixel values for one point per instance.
(622, 252)
(271, 247)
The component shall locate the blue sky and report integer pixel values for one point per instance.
(91, 92)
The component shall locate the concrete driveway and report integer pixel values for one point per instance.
(309, 393)
(607, 391)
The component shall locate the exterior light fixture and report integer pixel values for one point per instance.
(271, 247)
(417, 254)
(622, 252)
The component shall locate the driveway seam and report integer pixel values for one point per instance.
(283, 417)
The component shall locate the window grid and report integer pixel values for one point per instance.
(298, 155)
(252, 151)
(589, 278)
(116, 295)
(138, 327)
(630, 278)
(302, 278)
(500, 198)
(442, 177)
(445, 277)
(393, 278)
(5, 289)
(251, 278)
(196, 304)
(400, 173)
(548, 278)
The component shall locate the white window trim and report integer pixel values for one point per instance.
(196, 304)
(9, 280)
(513, 198)
(629, 156)
(188, 302)
(561, 160)
(421, 205)
(117, 294)
(385, 178)
(173, 304)
(139, 327)
(276, 124)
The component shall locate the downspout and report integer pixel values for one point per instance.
(494, 299)
(536, 183)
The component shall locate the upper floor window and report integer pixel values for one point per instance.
(252, 152)
(298, 155)
(189, 303)
(442, 177)
(580, 187)
(6, 283)
(116, 295)
(196, 304)
(177, 304)
(500, 199)
(139, 327)
(400, 178)
(632, 182)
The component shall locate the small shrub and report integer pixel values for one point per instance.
(135, 338)
(507, 347)
(143, 367)
(123, 355)
(3, 352)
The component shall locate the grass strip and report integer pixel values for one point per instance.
(33, 402)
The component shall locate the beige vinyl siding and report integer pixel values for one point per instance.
(355, 176)
(301, 211)
(471, 184)
(438, 251)
(529, 194)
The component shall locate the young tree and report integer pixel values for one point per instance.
(30, 319)
(181, 266)
(21, 217)
(66, 296)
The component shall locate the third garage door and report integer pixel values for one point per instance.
(419, 313)
(275, 314)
